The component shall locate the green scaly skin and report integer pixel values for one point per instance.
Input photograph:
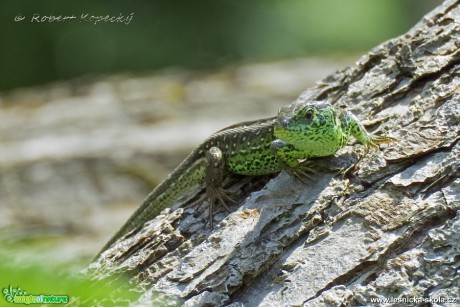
(301, 131)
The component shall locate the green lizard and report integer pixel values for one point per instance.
(302, 130)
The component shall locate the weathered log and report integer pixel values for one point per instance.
(387, 228)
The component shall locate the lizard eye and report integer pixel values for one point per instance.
(309, 115)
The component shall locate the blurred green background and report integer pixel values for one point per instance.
(190, 34)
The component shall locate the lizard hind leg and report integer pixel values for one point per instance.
(214, 175)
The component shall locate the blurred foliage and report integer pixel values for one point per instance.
(38, 279)
(183, 33)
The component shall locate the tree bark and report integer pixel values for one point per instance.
(387, 228)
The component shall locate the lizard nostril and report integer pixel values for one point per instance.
(283, 121)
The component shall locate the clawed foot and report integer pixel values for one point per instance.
(375, 141)
(303, 171)
(220, 196)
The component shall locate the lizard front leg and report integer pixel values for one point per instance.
(288, 157)
(214, 171)
(352, 126)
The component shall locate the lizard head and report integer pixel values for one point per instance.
(312, 127)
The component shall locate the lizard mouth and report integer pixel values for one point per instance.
(281, 130)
